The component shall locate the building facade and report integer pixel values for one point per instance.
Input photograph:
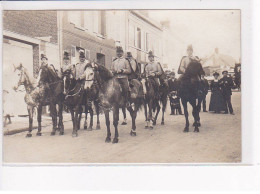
(86, 31)
(97, 33)
(27, 35)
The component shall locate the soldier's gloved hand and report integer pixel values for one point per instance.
(121, 71)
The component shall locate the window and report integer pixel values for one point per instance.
(131, 35)
(138, 36)
(148, 42)
(102, 26)
(100, 22)
(88, 20)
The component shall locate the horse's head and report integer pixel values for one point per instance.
(21, 75)
(89, 75)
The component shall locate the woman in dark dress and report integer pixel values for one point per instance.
(216, 100)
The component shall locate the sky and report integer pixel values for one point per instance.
(205, 29)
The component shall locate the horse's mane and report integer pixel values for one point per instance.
(104, 72)
(29, 78)
(51, 71)
(194, 69)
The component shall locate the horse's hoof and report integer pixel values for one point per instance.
(61, 133)
(154, 123)
(108, 140)
(133, 133)
(199, 125)
(162, 123)
(38, 134)
(75, 134)
(151, 127)
(85, 127)
(115, 140)
(90, 128)
(146, 127)
(52, 133)
(28, 135)
(196, 130)
(124, 123)
(186, 130)
(98, 127)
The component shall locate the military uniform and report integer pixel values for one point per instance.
(185, 61)
(226, 84)
(121, 69)
(66, 65)
(80, 68)
(135, 67)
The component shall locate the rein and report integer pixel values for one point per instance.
(73, 94)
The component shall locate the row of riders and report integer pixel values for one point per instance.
(125, 85)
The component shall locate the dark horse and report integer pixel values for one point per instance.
(74, 99)
(189, 91)
(153, 100)
(111, 97)
(48, 92)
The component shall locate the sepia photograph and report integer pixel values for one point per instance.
(121, 86)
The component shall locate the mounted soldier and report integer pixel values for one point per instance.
(121, 69)
(80, 67)
(135, 67)
(185, 64)
(67, 66)
(44, 65)
(153, 70)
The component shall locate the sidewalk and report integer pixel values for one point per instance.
(21, 124)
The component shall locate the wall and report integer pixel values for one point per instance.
(72, 35)
(32, 23)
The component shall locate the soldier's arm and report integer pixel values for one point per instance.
(181, 69)
(112, 67)
(127, 69)
(159, 71)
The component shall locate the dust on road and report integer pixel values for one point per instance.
(219, 141)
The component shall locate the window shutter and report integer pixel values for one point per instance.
(73, 55)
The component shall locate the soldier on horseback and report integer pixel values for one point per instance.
(135, 67)
(45, 64)
(153, 70)
(80, 67)
(121, 69)
(186, 61)
(67, 65)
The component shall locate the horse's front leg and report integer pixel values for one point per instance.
(39, 119)
(30, 112)
(145, 114)
(61, 126)
(91, 112)
(76, 122)
(163, 109)
(158, 108)
(53, 111)
(150, 116)
(115, 123)
(97, 111)
(133, 116)
(86, 117)
(108, 138)
(72, 117)
(184, 104)
(124, 114)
